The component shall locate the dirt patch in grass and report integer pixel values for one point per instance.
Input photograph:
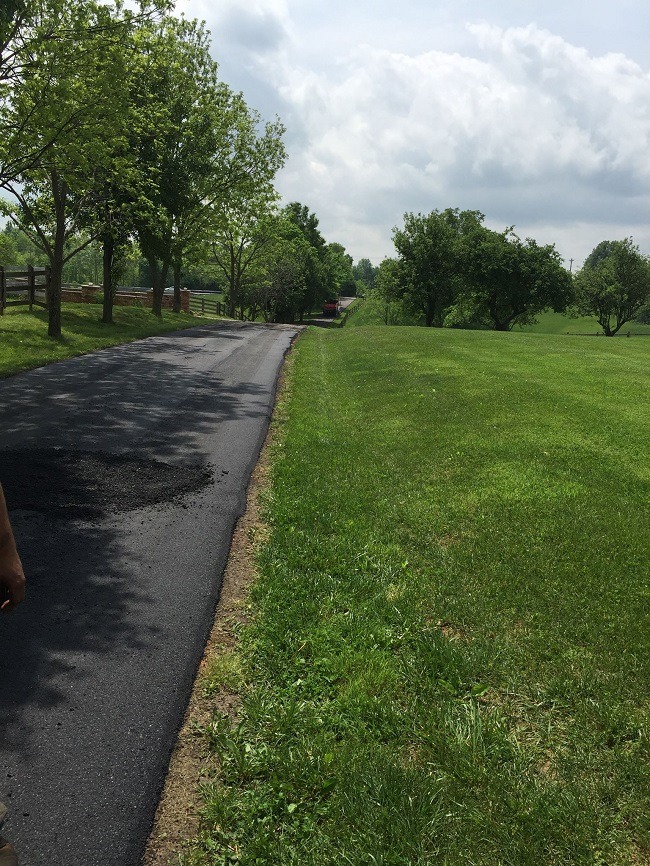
(178, 815)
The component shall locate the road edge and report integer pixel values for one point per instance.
(177, 818)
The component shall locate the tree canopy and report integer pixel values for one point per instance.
(452, 270)
(114, 125)
(613, 285)
(430, 252)
(508, 281)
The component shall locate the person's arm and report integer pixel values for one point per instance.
(12, 578)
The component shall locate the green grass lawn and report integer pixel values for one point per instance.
(448, 661)
(549, 322)
(24, 343)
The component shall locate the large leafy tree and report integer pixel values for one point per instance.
(319, 279)
(43, 43)
(281, 289)
(203, 148)
(385, 297)
(365, 272)
(340, 268)
(66, 109)
(430, 251)
(241, 242)
(242, 219)
(508, 281)
(613, 285)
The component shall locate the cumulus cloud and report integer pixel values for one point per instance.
(519, 123)
(530, 130)
(256, 27)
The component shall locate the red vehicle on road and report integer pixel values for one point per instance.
(331, 308)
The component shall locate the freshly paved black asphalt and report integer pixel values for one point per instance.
(123, 572)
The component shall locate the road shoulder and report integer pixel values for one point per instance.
(177, 817)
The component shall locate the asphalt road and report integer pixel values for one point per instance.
(125, 472)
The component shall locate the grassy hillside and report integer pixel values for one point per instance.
(24, 343)
(448, 661)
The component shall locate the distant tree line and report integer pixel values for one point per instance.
(451, 270)
(124, 153)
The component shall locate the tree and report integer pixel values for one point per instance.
(202, 145)
(242, 224)
(340, 268)
(508, 281)
(239, 247)
(32, 32)
(365, 273)
(319, 281)
(386, 296)
(280, 289)
(429, 249)
(56, 188)
(613, 285)
(10, 253)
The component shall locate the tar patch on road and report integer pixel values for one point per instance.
(91, 484)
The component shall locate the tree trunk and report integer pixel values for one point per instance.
(177, 287)
(107, 262)
(232, 301)
(158, 280)
(59, 194)
(54, 299)
(232, 284)
(429, 311)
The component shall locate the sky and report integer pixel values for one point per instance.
(535, 113)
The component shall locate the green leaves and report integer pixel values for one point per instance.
(430, 255)
(613, 285)
(454, 271)
(114, 124)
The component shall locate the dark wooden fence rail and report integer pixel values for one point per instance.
(199, 304)
(19, 288)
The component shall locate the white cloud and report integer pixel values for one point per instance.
(519, 123)
(535, 131)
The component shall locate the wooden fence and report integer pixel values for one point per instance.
(201, 304)
(18, 288)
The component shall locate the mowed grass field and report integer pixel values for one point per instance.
(448, 660)
(549, 322)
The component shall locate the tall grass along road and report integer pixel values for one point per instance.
(448, 659)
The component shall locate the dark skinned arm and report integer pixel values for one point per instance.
(12, 577)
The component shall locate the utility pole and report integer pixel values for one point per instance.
(570, 265)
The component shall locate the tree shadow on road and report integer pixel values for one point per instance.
(148, 401)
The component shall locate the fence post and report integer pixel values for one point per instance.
(3, 290)
(48, 278)
(31, 283)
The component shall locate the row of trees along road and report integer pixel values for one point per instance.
(452, 270)
(276, 262)
(114, 126)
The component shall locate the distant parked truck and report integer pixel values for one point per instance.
(331, 308)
